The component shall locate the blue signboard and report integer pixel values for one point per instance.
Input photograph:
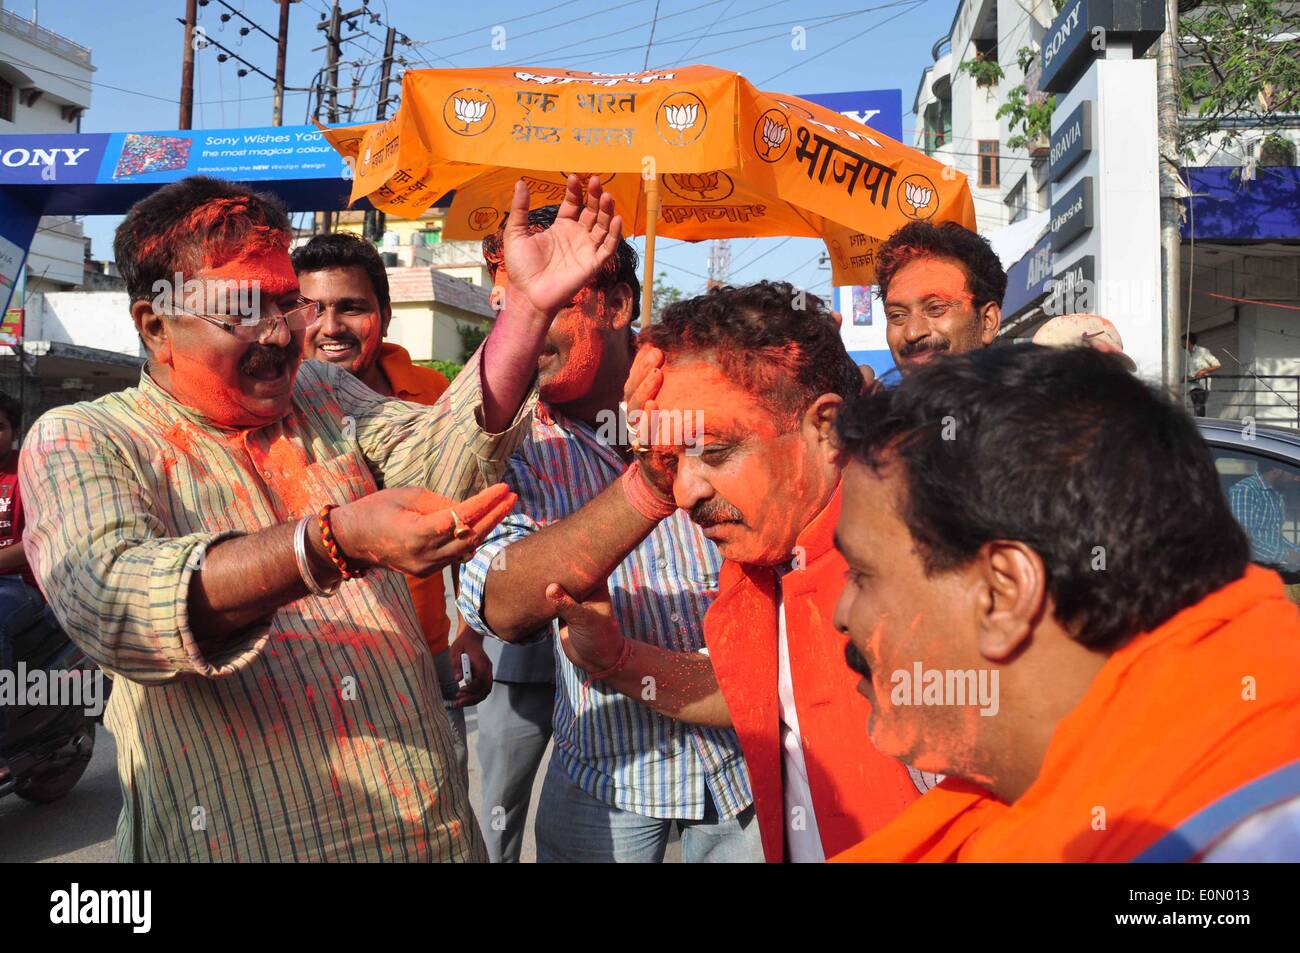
(881, 109)
(104, 173)
(1227, 207)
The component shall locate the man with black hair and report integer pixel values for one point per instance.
(208, 537)
(942, 288)
(622, 775)
(764, 378)
(1033, 615)
(346, 277)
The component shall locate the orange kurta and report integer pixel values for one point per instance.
(1176, 719)
(855, 788)
(420, 385)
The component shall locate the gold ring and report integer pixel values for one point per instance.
(459, 529)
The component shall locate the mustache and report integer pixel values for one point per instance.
(713, 512)
(854, 660)
(923, 345)
(263, 357)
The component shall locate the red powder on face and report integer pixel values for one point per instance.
(371, 337)
(265, 263)
(197, 385)
(581, 325)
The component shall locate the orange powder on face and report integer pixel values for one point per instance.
(581, 325)
(198, 385)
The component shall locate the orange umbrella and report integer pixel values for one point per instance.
(690, 153)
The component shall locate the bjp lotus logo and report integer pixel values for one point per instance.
(681, 119)
(700, 186)
(469, 112)
(482, 218)
(772, 135)
(918, 198)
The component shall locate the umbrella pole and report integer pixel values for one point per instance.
(652, 219)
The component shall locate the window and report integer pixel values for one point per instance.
(1264, 496)
(989, 163)
(6, 100)
(1016, 201)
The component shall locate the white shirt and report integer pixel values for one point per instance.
(802, 839)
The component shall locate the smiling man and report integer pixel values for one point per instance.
(766, 378)
(942, 288)
(1016, 517)
(208, 538)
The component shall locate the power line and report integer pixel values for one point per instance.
(578, 44)
(855, 36)
(651, 42)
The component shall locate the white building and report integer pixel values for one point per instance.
(45, 88)
(1240, 275)
(78, 345)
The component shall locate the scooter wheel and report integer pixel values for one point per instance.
(50, 785)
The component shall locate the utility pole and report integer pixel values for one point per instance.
(374, 223)
(1171, 192)
(719, 263)
(281, 51)
(333, 44)
(187, 65)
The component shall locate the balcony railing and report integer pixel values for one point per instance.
(1271, 400)
(29, 30)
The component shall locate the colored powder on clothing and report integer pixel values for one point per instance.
(287, 465)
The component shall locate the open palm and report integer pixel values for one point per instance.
(551, 266)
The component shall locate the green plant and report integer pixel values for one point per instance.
(1029, 114)
(447, 369)
(471, 336)
(1276, 149)
(663, 294)
(985, 72)
(1240, 69)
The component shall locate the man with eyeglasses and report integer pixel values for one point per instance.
(346, 277)
(207, 538)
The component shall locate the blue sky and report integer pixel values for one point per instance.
(137, 44)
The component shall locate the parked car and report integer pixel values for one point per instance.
(1244, 451)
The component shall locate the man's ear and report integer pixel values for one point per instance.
(990, 321)
(618, 300)
(154, 331)
(1012, 596)
(386, 317)
(818, 423)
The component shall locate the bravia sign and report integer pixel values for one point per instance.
(1084, 27)
(1072, 140)
(1072, 215)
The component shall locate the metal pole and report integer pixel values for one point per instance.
(187, 65)
(1170, 200)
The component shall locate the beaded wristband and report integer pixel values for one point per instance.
(642, 498)
(332, 547)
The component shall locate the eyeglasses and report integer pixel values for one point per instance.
(302, 314)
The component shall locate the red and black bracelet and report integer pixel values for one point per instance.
(332, 547)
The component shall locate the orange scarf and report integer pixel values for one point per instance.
(1168, 726)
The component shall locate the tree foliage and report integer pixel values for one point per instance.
(1240, 67)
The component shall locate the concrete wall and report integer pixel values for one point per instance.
(429, 334)
(98, 319)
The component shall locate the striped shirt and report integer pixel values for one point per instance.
(614, 748)
(316, 735)
(1259, 509)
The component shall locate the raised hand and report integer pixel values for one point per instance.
(658, 464)
(550, 267)
(416, 531)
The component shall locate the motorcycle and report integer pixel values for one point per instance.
(45, 748)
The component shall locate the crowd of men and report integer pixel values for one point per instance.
(999, 611)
